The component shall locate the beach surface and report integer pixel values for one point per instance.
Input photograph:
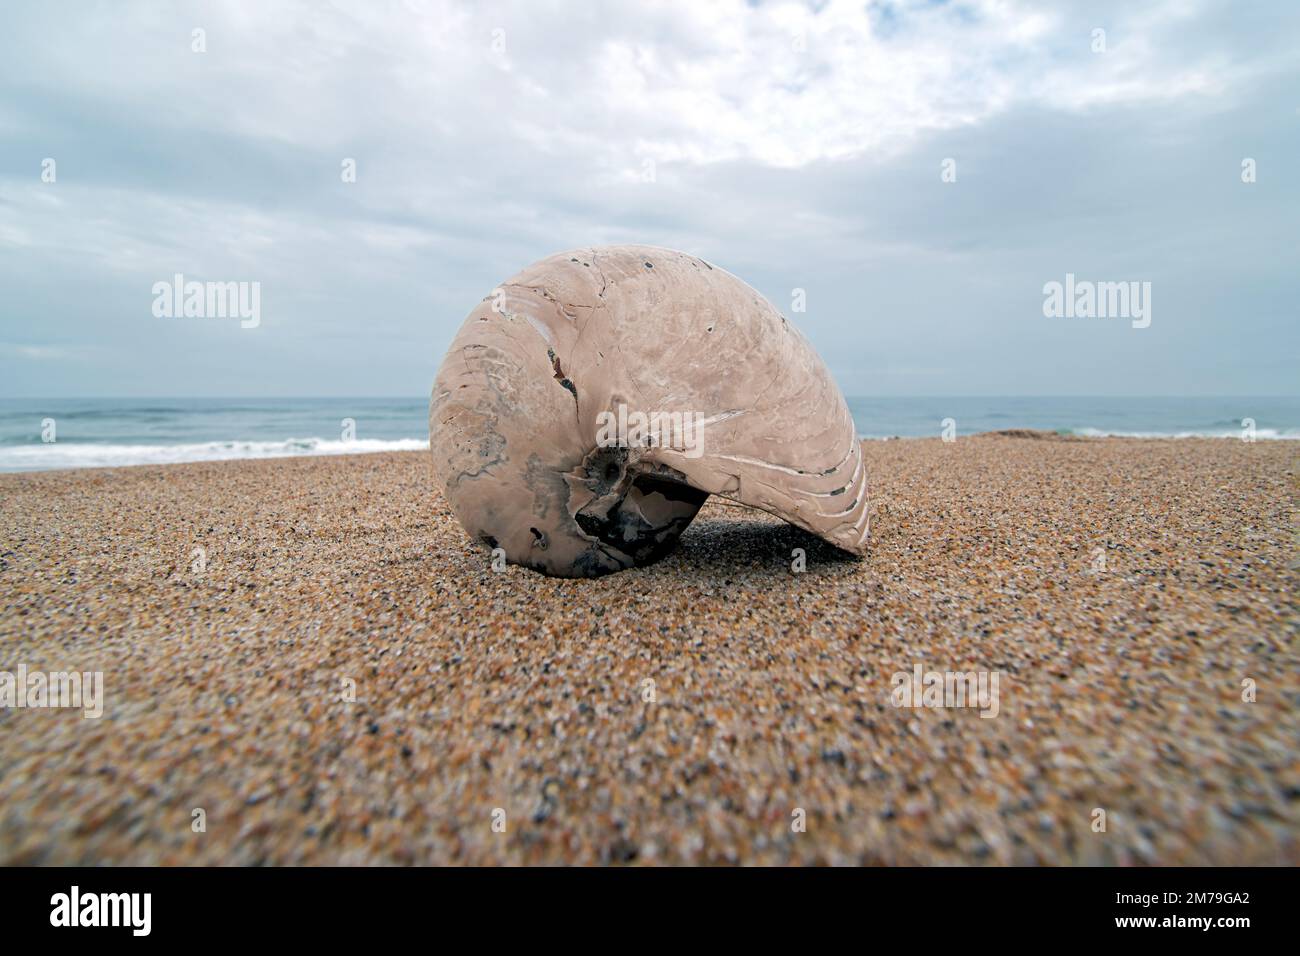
(307, 661)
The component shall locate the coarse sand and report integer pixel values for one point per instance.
(308, 661)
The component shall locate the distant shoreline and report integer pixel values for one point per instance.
(92, 456)
(45, 434)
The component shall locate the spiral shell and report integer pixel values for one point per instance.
(590, 404)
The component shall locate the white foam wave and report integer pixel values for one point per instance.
(42, 456)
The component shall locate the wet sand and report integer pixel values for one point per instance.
(228, 672)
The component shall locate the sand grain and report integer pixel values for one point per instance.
(1121, 689)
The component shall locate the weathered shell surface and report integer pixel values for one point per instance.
(517, 406)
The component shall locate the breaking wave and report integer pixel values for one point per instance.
(42, 456)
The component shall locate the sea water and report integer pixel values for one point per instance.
(37, 434)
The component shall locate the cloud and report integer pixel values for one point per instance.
(41, 353)
(798, 145)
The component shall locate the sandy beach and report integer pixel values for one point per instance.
(338, 676)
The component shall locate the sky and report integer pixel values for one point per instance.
(918, 171)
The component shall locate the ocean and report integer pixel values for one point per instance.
(90, 433)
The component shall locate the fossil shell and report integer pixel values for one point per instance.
(524, 422)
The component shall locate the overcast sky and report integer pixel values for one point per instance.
(798, 146)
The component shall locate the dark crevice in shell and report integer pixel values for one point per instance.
(625, 528)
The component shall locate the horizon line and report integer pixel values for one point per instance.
(847, 395)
